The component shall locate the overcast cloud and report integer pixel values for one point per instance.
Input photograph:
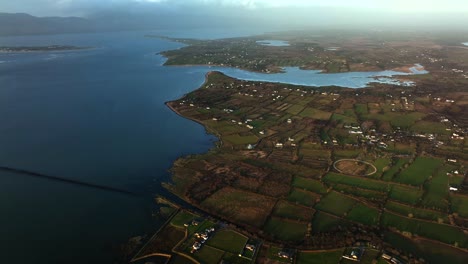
(83, 7)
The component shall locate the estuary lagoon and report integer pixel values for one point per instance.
(274, 43)
(295, 75)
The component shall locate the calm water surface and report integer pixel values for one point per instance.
(98, 116)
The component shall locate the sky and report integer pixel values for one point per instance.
(274, 14)
(84, 7)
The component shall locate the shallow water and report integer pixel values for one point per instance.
(274, 43)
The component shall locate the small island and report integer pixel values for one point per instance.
(17, 49)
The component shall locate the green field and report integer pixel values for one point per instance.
(181, 218)
(292, 211)
(295, 109)
(444, 233)
(285, 229)
(225, 127)
(397, 119)
(208, 254)
(416, 212)
(324, 222)
(432, 252)
(339, 118)
(346, 154)
(241, 140)
(359, 182)
(437, 191)
(329, 257)
(456, 180)
(165, 240)
(364, 215)
(380, 164)
(361, 109)
(315, 114)
(406, 120)
(405, 194)
(235, 259)
(430, 127)
(309, 184)
(419, 171)
(369, 194)
(228, 240)
(303, 197)
(459, 204)
(335, 203)
(178, 259)
(389, 174)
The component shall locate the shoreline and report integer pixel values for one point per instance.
(407, 69)
(217, 65)
(169, 104)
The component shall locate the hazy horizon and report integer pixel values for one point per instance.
(290, 14)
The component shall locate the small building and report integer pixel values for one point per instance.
(353, 254)
(285, 255)
(250, 247)
(386, 256)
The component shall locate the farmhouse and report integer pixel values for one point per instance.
(353, 254)
(286, 254)
(250, 247)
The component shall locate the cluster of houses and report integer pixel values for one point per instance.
(391, 259)
(201, 238)
(192, 223)
(286, 254)
(438, 99)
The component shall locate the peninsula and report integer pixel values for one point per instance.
(328, 174)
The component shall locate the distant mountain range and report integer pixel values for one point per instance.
(271, 19)
(24, 24)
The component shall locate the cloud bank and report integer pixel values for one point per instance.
(83, 7)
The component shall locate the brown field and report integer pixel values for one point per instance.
(241, 206)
